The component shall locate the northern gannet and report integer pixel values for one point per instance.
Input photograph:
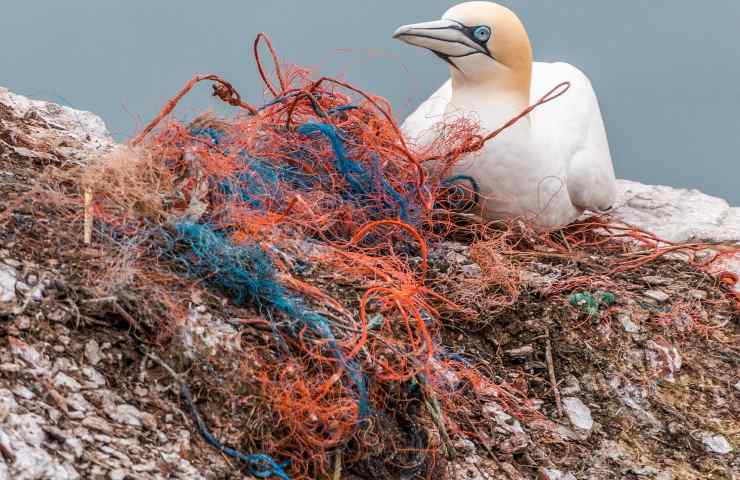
(548, 167)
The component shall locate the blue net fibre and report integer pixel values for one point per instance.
(363, 183)
(308, 163)
(247, 274)
(263, 184)
(318, 157)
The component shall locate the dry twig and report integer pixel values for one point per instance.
(551, 370)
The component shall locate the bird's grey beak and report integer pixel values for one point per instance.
(443, 37)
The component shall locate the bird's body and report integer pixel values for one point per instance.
(550, 166)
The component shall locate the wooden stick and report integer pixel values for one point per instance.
(435, 410)
(493, 456)
(88, 217)
(337, 466)
(551, 370)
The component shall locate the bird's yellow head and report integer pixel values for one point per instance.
(483, 42)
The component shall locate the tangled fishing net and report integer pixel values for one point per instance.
(320, 180)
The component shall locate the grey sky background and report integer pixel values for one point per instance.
(667, 72)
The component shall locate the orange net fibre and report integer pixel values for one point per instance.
(372, 220)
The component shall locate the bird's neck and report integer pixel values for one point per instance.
(495, 97)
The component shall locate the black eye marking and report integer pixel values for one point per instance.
(480, 34)
(470, 32)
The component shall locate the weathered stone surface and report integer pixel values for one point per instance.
(658, 296)
(92, 352)
(553, 474)
(7, 283)
(96, 380)
(715, 443)
(663, 358)
(578, 413)
(65, 381)
(627, 323)
(505, 421)
(23, 439)
(677, 215)
(29, 354)
(129, 415)
(46, 130)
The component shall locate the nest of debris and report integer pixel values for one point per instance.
(335, 309)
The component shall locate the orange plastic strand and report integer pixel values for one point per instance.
(364, 231)
(222, 89)
(262, 37)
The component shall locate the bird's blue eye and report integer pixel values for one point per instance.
(482, 34)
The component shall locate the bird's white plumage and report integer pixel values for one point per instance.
(419, 124)
(549, 168)
(574, 123)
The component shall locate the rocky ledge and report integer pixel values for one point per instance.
(677, 215)
(40, 130)
(67, 413)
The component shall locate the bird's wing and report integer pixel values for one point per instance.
(574, 125)
(416, 128)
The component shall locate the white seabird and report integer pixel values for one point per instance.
(547, 168)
